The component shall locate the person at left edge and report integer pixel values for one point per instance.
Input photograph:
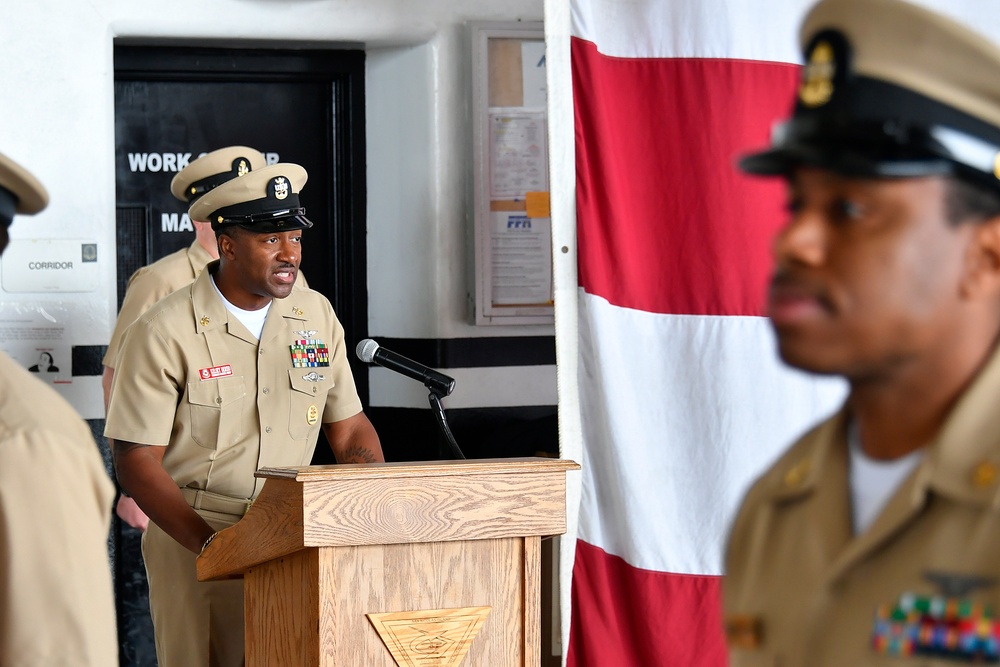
(249, 369)
(56, 599)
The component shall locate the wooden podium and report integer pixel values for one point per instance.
(413, 564)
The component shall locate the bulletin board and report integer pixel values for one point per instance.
(513, 228)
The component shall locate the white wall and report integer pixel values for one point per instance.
(58, 120)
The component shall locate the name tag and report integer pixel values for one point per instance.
(215, 372)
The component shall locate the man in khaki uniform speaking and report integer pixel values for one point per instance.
(236, 372)
(875, 540)
(151, 283)
(56, 599)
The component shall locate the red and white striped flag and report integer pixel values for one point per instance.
(682, 396)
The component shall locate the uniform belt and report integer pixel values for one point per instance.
(216, 502)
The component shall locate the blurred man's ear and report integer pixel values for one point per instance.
(982, 277)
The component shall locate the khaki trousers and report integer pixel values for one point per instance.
(196, 624)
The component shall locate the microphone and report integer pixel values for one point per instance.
(371, 352)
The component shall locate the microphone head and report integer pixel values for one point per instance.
(366, 350)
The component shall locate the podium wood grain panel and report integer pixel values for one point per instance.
(433, 509)
(410, 577)
(281, 603)
(323, 547)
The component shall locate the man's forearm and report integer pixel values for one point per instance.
(141, 474)
(354, 440)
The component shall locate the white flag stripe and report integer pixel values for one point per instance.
(741, 29)
(681, 413)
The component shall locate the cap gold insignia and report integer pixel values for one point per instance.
(298, 311)
(996, 165)
(193, 189)
(280, 187)
(312, 415)
(220, 219)
(242, 169)
(205, 321)
(817, 78)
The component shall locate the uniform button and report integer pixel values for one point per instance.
(267, 429)
(218, 399)
(266, 390)
(314, 390)
(984, 474)
(260, 351)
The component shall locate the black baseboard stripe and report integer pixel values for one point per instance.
(492, 352)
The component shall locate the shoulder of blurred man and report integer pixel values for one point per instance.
(49, 461)
(151, 283)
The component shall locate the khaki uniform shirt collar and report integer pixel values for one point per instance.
(963, 463)
(281, 311)
(210, 312)
(198, 257)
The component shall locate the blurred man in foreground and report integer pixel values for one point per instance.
(56, 599)
(876, 535)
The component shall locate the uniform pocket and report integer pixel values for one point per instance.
(217, 411)
(307, 400)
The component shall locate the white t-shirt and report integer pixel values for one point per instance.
(872, 481)
(253, 320)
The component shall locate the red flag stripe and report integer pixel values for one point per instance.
(665, 222)
(642, 617)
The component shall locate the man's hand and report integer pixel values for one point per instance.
(130, 513)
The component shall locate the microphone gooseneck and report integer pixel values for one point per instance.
(439, 384)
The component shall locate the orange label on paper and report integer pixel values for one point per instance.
(537, 204)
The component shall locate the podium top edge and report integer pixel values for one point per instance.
(420, 469)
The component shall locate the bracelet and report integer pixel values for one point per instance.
(207, 542)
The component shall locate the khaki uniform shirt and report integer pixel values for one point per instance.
(150, 284)
(155, 281)
(191, 377)
(56, 598)
(802, 590)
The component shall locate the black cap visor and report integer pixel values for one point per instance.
(267, 223)
(8, 206)
(866, 150)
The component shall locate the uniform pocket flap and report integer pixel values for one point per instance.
(310, 382)
(216, 393)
